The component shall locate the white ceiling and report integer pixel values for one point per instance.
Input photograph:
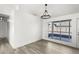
(59, 9)
(38, 9)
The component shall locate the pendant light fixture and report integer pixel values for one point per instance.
(4, 17)
(45, 14)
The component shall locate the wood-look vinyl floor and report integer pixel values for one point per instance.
(39, 47)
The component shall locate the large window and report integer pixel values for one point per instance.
(60, 30)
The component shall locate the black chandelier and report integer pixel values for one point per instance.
(45, 14)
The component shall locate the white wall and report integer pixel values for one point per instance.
(27, 28)
(4, 27)
(24, 24)
(77, 32)
(73, 29)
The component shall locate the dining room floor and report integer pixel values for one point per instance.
(39, 47)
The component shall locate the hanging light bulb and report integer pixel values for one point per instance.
(45, 14)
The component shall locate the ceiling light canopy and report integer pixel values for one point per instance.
(45, 14)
